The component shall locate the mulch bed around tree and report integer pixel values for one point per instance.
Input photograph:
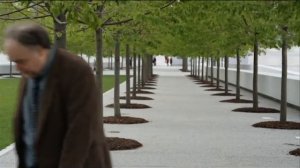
(147, 87)
(184, 71)
(278, 125)
(237, 101)
(150, 84)
(259, 110)
(137, 98)
(143, 92)
(123, 120)
(115, 143)
(130, 106)
(191, 76)
(216, 89)
(151, 79)
(223, 94)
(203, 82)
(295, 152)
(209, 85)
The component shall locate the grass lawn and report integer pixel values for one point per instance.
(8, 96)
(109, 81)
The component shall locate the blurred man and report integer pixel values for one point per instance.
(58, 123)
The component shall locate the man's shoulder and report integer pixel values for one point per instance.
(71, 61)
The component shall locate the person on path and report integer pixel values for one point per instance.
(171, 61)
(58, 122)
(167, 60)
(154, 61)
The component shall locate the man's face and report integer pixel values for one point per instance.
(29, 60)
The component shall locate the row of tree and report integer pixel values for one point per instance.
(171, 27)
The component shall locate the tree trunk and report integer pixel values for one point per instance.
(184, 64)
(134, 74)
(199, 63)
(150, 70)
(10, 69)
(60, 31)
(206, 76)
(283, 103)
(238, 70)
(111, 61)
(223, 62)
(99, 66)
(108, 64)
(202, 73)
(191, 66)
(117, 77)
(211, 70)
(218, 73)
(143, 71)
(127, 75)
(226, 74)
(139, 72)
(195, 67)
(122, 62)
(255, 69)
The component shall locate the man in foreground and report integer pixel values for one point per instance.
(58, 123)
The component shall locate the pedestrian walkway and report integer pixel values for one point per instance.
(189, 128)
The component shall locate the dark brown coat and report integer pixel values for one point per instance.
(70, 129)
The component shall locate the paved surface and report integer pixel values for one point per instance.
(189, 128)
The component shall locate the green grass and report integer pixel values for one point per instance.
(109, 81)
(8, 99)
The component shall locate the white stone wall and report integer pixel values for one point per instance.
(267, 85)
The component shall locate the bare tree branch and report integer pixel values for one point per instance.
(22, 18)
(9, 1)
(30, 6)
(108, 23)
(16, 8)
(57, 20)
(117, 23)
(40, 11)
(47, 7)
(44, 7)
(168, 4)
(82, 29)
(247, 25)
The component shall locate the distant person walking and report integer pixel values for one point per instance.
(167, 60)
(171, 61)
(154, 61)
(58, 122)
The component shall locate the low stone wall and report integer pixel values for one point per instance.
(5, 70)
(268, 85)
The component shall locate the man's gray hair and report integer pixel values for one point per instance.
(28, 34)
